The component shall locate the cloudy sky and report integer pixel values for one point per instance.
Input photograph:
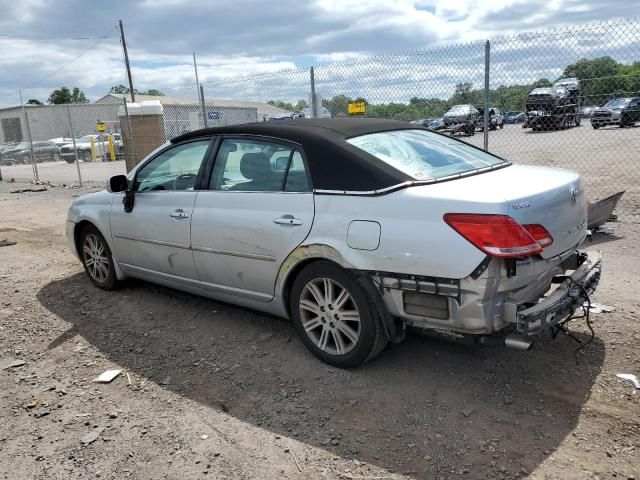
(48, 43)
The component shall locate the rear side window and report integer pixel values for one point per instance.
(297, 180)
(258, 166)
(424, 155)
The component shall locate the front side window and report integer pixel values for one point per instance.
(258, 166)
(174, 169)
(424, 155)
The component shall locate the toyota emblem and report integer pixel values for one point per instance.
(574, 196)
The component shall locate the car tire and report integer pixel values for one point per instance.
(595, 126)
(335, 317)
(97, 259)
(501, 125)
(55, 157)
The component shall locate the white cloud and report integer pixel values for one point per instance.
(248, 37)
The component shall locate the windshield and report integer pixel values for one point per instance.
(424, 155)
(618, 103)
(85, 139)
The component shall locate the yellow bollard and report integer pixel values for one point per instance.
(112, 151)
(93, 149)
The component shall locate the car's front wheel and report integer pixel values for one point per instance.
(97, 259)
(334, 316)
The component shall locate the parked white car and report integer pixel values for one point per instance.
(83, 147)
(352, 228)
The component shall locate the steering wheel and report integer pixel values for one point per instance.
(184, 181)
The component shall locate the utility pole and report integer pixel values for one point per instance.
(126, 61)
(199, 89)
(195, 66)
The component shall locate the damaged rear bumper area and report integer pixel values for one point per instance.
(572, 291)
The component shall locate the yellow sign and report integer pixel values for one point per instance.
(101, 127)
(356, 107)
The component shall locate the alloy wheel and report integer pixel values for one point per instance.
(95, 258)
(329, 316)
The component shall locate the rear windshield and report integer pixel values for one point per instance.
(424, 155)
(618, 103)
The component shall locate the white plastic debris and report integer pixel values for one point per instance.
(630, 378)
(92, 436)
(107, 377)
(600, 307)
(14, 364)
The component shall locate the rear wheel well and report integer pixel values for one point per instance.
(293, 274)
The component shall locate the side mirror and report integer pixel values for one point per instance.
(117, 183)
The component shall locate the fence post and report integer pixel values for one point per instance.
(204, 110)
(128, 161)
(314, 106)
(34, 164)
(73, 137)
(487, 120)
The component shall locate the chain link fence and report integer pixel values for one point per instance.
(565, 98)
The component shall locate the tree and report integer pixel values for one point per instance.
(124, 90)
(64, 95)
(154, 92)
(602, 78)
(120, 89)
(34, 101)
(338, 106)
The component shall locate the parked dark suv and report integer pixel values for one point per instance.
(618, 111)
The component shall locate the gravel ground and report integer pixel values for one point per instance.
(209, 390)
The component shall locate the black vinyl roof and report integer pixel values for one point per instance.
(334, 164)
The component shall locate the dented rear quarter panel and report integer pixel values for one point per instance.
(414, 239)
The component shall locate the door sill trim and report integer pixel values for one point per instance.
(192, 282)
(149, 240)
(254, 256)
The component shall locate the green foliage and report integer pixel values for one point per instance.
(603, 78)
(289, 106)
(34, 101)
(119, 89)
(123, 90)
(154, 92)
(64, 95)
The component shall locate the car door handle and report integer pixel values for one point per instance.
(179, 213)
(287, 220)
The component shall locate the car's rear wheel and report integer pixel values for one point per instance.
(334, 316)
(97, 259)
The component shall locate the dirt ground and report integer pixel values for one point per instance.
(214, 391)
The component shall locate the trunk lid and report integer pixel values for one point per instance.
(551, 197)
(556, 200)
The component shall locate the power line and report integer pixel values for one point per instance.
(68, 63)
(53, 37)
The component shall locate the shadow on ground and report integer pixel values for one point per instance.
(426, 407)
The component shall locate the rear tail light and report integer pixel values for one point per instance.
(496, 235)
(540, 235)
